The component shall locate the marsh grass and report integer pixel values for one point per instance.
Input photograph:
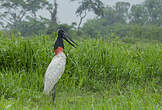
(135, 99)
(99, 75)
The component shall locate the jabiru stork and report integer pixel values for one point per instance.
(57, 65)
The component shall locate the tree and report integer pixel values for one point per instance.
(88, 5)
(31, 26)
(15, 11)
(154, 9)
(52, 8)
(138, 14)
(122, 11)
(109, 16)
(35, 5)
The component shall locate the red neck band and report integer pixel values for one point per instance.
(58, 50)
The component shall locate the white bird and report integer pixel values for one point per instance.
(57, 65)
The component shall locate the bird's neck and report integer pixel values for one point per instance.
(58, 50)
(59, 45)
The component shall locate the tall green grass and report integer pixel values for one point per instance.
(93, 63)
(96, 65)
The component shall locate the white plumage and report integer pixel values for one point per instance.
(54, 72)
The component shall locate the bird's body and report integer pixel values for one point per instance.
(54, 72)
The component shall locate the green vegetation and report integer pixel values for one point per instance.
(100, 74)
(24, 17)
(117, 66)
(93, 28)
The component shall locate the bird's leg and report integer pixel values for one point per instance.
(54, 90)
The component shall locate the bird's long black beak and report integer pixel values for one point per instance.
(69, 40)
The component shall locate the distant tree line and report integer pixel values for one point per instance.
(149, 12)
(139, 20)
(23, 16)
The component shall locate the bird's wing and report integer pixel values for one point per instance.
(53, 73)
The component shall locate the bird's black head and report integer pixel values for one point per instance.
(59, 41)
(61, 34)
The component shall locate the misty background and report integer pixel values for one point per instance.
(140, 19)
(66, 10)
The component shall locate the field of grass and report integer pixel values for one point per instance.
(99, 75)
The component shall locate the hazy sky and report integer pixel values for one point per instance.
(66, 10)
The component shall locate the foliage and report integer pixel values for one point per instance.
(99, 74)
(140, 20)
(96, 63)
(154, 9)
(31, 27)
(121, 19)
(122, 9)
(73, 99)
(89, 5)
(97, 28)
(22, 16)
(52, 9)
(120, 69)
(138, 14)
(15, 11)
